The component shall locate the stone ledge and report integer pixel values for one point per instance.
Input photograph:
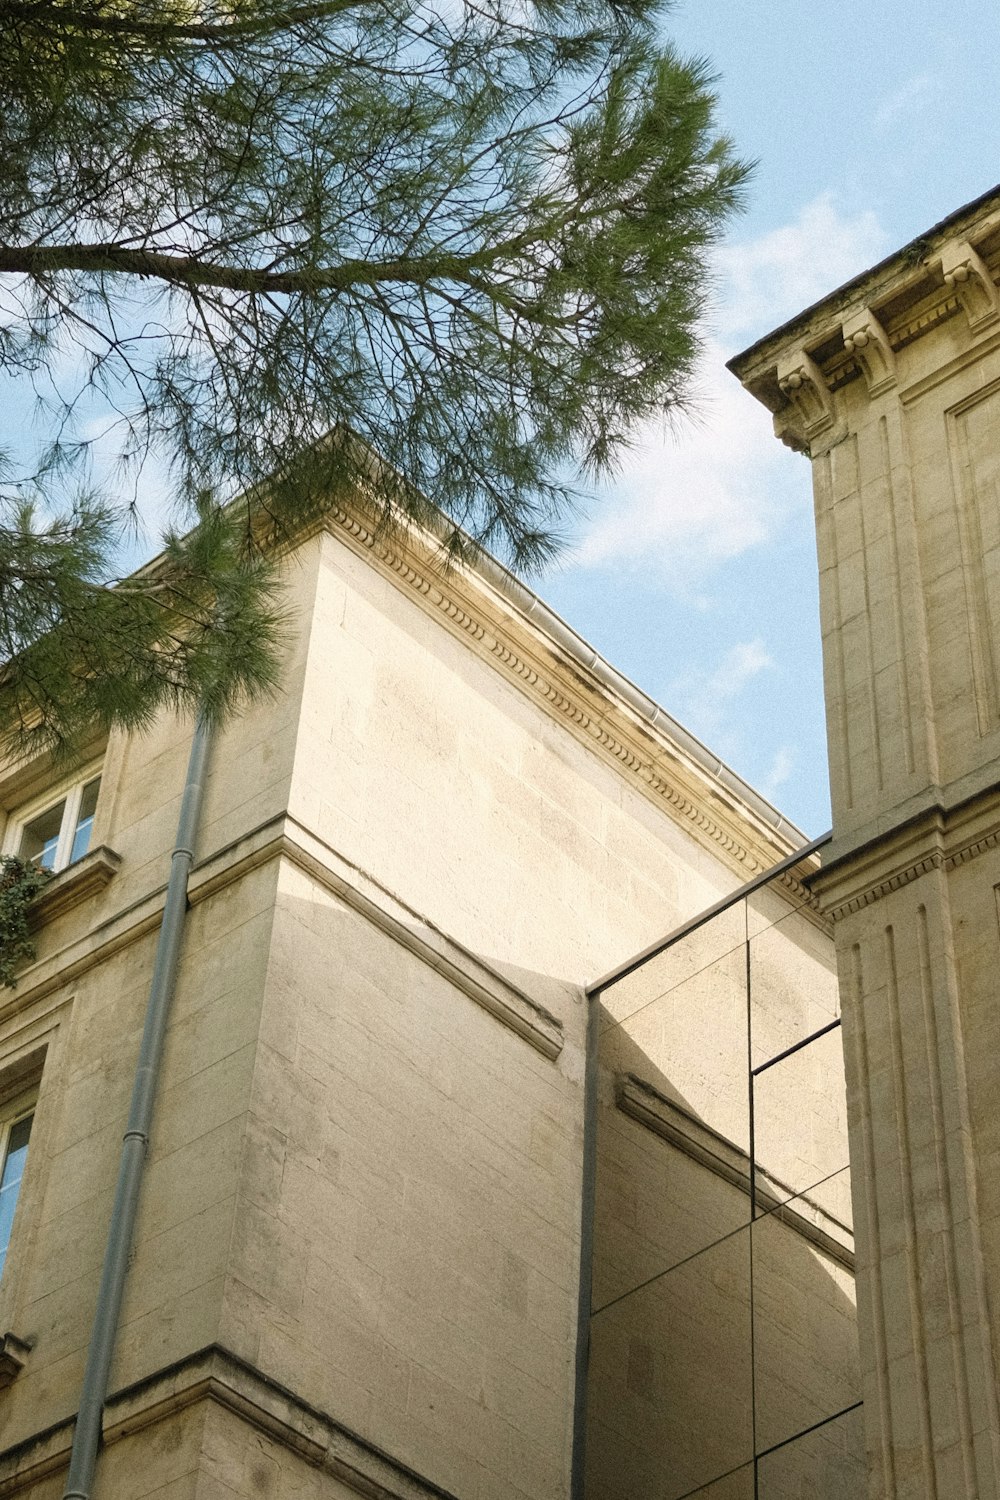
(14, 1353)
(508, 1004)
(281, 837)
(214, 1374)
(75, 884)
(942, 835)
(363, 894)
(647, 1106)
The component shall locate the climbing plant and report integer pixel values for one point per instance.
(20, 881)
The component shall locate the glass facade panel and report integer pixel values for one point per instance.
(723, 1326)
(800, 1126)
(671, 1380)
(792, 973)
(805, 1330)
(736, 1486)
(827, 1464)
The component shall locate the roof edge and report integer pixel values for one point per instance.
(908, 255)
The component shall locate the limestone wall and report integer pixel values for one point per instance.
(364, 1188)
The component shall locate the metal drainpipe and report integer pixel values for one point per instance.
(87, 1436)
(590, 1082)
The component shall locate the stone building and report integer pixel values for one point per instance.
(431, 1209)
(892, 387)
(357, 1268)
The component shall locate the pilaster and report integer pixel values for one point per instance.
(892, 388)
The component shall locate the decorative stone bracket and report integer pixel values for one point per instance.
(967, 275)
(810, 412)
(13, 1357)
(865, 338)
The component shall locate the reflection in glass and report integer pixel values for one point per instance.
(828, 1464)
(10, 1180)
(40, 838)
(800, 1126)
(806, 1365)
(723, 1099)
(793, 977)
(85, 820)
(671, 1381)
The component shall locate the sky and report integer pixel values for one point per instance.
(694, 573)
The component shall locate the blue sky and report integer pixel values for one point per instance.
(695, 573)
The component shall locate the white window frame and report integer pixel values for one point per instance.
(72, 792)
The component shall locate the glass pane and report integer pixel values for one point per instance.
(670, 1381)
(793, 976)
(40, 838)
(828, 1464)
(800, 1126)
(735, 1486)
(655, 1204)
(689, 956)
(10, 1182)
(806, 1363)
(688, 1043)
(85, 822)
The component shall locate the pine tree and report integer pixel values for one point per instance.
(262, 241)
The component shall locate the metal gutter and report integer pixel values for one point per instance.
(121, 1228)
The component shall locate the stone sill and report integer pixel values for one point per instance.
(73, 885)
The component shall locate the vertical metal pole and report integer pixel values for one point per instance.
(87, 1435)
(590, 1081)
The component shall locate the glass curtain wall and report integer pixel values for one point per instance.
(723, 1358)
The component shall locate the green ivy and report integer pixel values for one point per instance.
(20, 882)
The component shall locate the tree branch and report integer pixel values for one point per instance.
(69, 18)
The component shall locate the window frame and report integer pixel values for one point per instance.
(16, 1108)
(69, 792)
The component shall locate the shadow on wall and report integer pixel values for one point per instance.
(723, 1324)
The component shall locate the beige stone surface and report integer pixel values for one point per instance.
(901, 426)
(365, 1175)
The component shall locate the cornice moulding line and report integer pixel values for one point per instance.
(214, 1374)
(545, 658)
(936, 838)
(282, 837)
(641, 1102)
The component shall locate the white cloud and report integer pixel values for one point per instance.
(780, 770)
(689, 498)
(741, 664)
(771, 278)
(902, 100)
(705, 701)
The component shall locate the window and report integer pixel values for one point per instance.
(15, 1133)
(58, 834)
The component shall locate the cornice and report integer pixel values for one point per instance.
(284, 838)
(213, 1374)
(938, 837)
(856, 333)
(557, 670)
